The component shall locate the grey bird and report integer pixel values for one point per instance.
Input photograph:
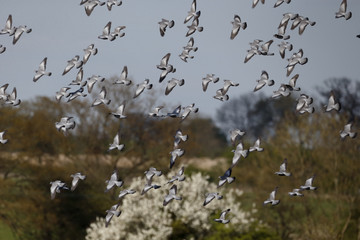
(284, 46)
(342, 11)
(119, 113)
(123, 77)
(333, 103)
(156, 112)
(303, 104)
(237, 24)
(192, 13)
(187, 110)
(296, 192)
(72, 63)
(238, 153)
(296, 58)
(178, 177)
(111, 3)
(292, 83)
(255, 2)
(142, 86)
(171, 196)
(220, 95)
(282, 171)
(90, 5)
(264, 80)
(226, 178)
(110, 213)
(256, 146)
(175, 113)
(12, 98)
(117, 33)
(19, 31)
(206, 80)
(41, 71)
(148, 186)
(163, 24)
(252, 52)
(222, 217)
(113, 181)
(106, 33)
(227, 85)
(78, 93)
(347, 131)
(190, 45)
(65, 124)
(55, 187)
(185, 54)
(92, 80)
(281, 32)
(2, 49)
(303, 23)
(176, 153)
(172, 83)
(76, 177)
(2, 139)
(116, 144)
(8, 29)
(90, 50)
(179, 136)
(79, 78)
(279, 2)
(125, 192)
(211, 196)
(271, 200)
(149, 174)
(194, 27)
(283, 91)
(308, 184)
(265, 48)
(165, 67)
(102, 98)
(235, 133)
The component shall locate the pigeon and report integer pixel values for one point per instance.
(222, 217)
(284, 46)
(237, 24)
(252, 52)
(8, 29)
(116, 144)
(292, 83)
(175, 113)
(41, 70)
(110, 3)
(172, 83)
(333, 104)
(227, 85)
(3, 94)
(123, 77)
(238, 152)
(78, 93)
(271, 200)
(179, 176)
(92, 80)
(296, 192)
(192, 13)
(226, 178)
(156, 112)
(102, 98)
(347, 131)
(163, 24)
(79, 78)
(176, 153)
(106, 32)
(206, 80)
(210, 197)
(113, 181)
(141, 87)
(148, 186)
(255, 2)
(165, 67)
(279, 2)
(256, 146)
(185, 54)
(90, 50)
(342, 11)
(61, 93)
(119, 113)
(308, 184)
(179, 136)
(110, 213)
(125, 192)
(19, 31)
(72, 63)
(171, 195)
(282, 31)
(264, 79)
(303, 23)
(220, 95)
(90, 5)
(303, 104)
(283, 91)
(55, 187)
(190, 45)
(117, 33)
(188, 110)
(282, 171)
(2, 49)
(2, 140)
(234, 134)
(149, 174)
(296, 58)
(76, 177)
(12, 98)
(65, 124)
(265, 48)
(194, 27)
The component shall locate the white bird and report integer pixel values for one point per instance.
(19, 31)
(110, 3)
(116, 144)
(179, 136)
(172, 83)
(76, 177)
(333, 103)
(65, 124)
(72, 63)
(308, 184)
(271, 200)
(41, 71)
(235, 133)
(192, 13)
(12, 98)
(206, 80)
(256, 146)
(149, 174)
(90, 5)
(279, 2)
(283, 91)
(342, 11)
(347, 131)
(172, 195)
(227, 85)
(178, 177)
(226, 178)
(282, 171)
(194, 27)
(176, 153)
(264, 79)
(142, 86)
(8, 29)
(292, 83)
(165, 67)
(284, 46)
(187, 110)
(222, 217)
(119, 113)
(123, 77)
(102, 98)
(113, 181)
(78, 79)
(2, 140)
(110, 213)
(255, 2)
(92, 80)
(125, 192)
(220, 96)
(148, 186)
(211, 196)
(55, 187)
(90, 50)
(237, 24)
(156, 112)
(296, 192)
(238, 153)
(163, 24)
(303, 104)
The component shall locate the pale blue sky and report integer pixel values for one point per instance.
(61, 30)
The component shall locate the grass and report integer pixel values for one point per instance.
(5, 232)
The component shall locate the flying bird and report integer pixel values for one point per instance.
(61, 93)
(102, 98)
(41, 71)
(333, 103)
(110, 3)
(163, 24)
(206, 80)
(65, 124)
(8, 29)
(178, 177)
(92, 80)
(2, 139)
(12, 98)
(282, 171)
(222, 217)
(156, 112)
(72, 63)
(255, 2)
(271, 200)
(90, 50)
(264, 80)
(342, 11)
(347, 131)
(76, 177)
(308, 184)
(238, 153)
(149, 174)
(235, 133)
(116, 144)
(226, 178)
(78, 79)
(296, 192)
(256, 146)
(148, 186)
(165, 67)
(123, 77)
(19, 31)
(125, 192)
(55, 187)
(119, 113)
(194, 27)
(171, 196)
(89, 5)
(110, 213)
(210, 197)
(172, 83)
(279, 2)
(179, 136)
(192, 13)
(113, 181)
(237, 24)
(176, 153)
(142, 86)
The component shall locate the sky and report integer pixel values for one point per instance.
(61, 30)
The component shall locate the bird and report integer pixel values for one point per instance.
(303, 23)
(192, 13)
(156, 112)
(78, 93)
(117, 33)
(2, 49)
(148, 186)
(303, 104)
(238, 152)
(106, 32)
(171, 196)
(12, 98)
(296, 58)
(227, 85)
(187, 110)
(8, 29)
(76, 177)
(178, 177)
(222, 217)
(65, 124)
(176, 153)
(123, 77)
(271, 200)
(279, 2)
(92, 80)
(19, 31)
(2, 140)
(256, 146)
(179, 136)
(226, 178)
(149, 174)
(102, 98)
(185, 54)
(235, 133)
(292, 83)
(333, 103)
(220, 95)
(113, 181)
(72, 63)
(265, 48)
(90, 5)
(206, 80)
(119, 113)
(237, 24)
(175, 113)
(110, 3)
(308, 184)
(190, 45)
(283, 91)
(55, 187)
(194, 27)
(41, 71)
(90, 50)
(264, 79)
(342, 11)
(79, 78)
(110, 213)
(296, 192)
(211, 196)
(252, 52)
(172, 83)
(125, 192)
(255, 2)
(163, 24)
(142, 86)
(282, 171)
(165, 67)
(116, 144)
(347, 131)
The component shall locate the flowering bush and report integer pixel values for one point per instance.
(145, 217)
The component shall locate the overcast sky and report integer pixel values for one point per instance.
(61, 30)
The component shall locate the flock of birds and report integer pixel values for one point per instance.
(257, 47)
